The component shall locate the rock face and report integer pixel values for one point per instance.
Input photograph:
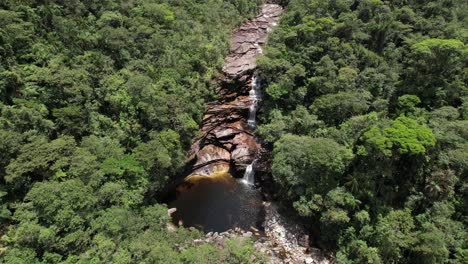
(227, 143)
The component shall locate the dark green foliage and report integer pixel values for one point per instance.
(380, 152)
(436, 71)
(366, 107)
(302, 161)
(99, 100)
(335, 108)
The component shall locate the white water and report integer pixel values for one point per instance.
(252, 113)
(254, 97)
(259, 49)
(249, 175)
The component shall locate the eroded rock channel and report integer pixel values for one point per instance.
(227, 143)
(210, 197)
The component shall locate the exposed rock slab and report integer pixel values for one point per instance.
(211, 152)
(248, 39)
(227, 143)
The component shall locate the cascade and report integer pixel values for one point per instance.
(252, 113)
(258, 47)
(254, 98)
(249, 175)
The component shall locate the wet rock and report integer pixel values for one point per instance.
(247, 234)
(245, 151)
(211, 168)
(211, 152)
(227, 143)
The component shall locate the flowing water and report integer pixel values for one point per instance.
(249, 175)
(221, 202)
(210, 198)
(254, 96)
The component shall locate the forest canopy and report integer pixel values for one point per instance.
(366, 112)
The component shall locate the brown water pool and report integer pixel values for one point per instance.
(217, 203)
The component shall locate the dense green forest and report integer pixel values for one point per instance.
(367, 116)
(99, 100)
(365, 111)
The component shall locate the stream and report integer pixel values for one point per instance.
(219, 193)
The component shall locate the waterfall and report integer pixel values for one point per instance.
(254, 98)
(252, 113)
(249, 175)
(259, 49)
